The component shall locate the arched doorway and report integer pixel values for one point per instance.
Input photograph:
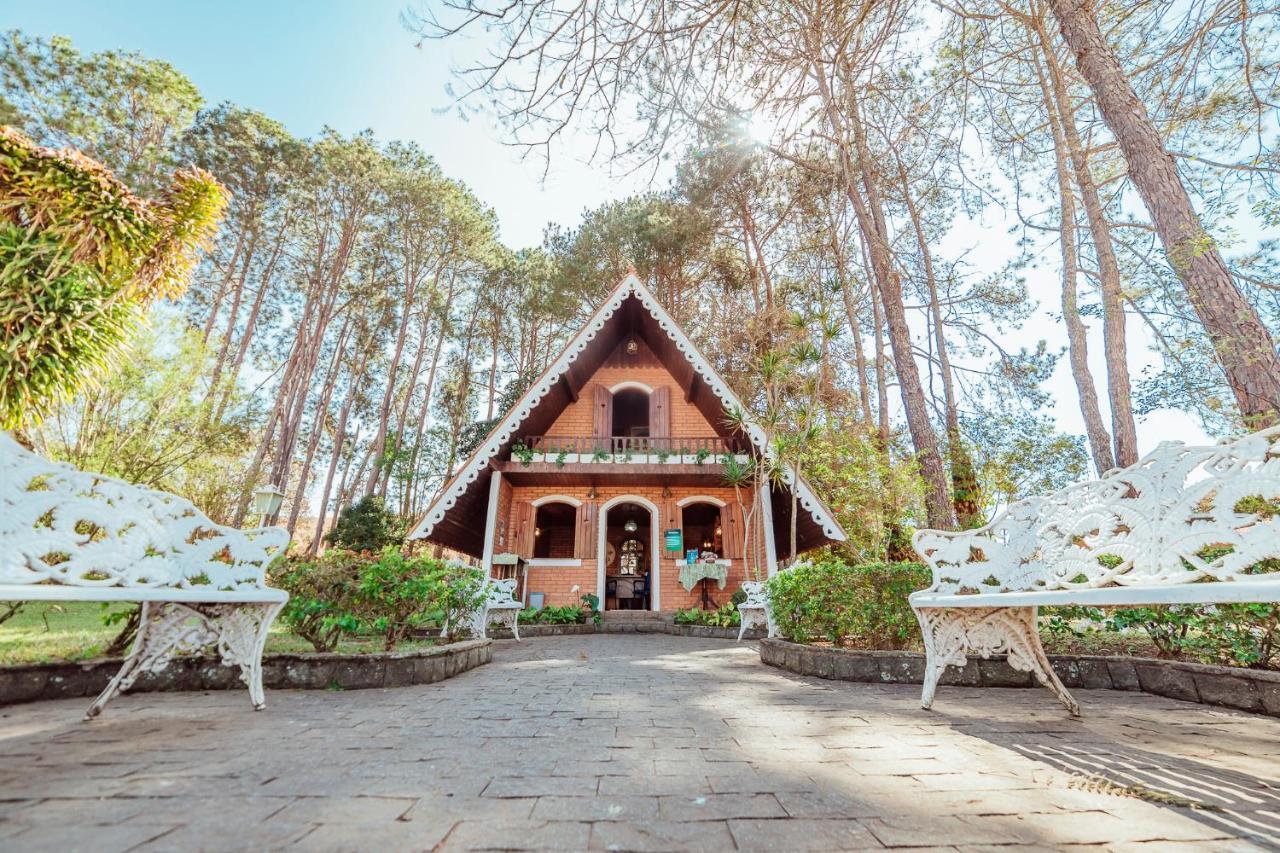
(628, 556)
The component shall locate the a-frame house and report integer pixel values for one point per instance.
(619, 444)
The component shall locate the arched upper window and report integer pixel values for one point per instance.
(631, 413)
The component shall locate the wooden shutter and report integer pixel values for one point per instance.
(585, 543)
(669, 517)
(602, 417)
(660, 412)
(731, 531)
(525, 516)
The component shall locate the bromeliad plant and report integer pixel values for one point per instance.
(80, 258)
(724, 616)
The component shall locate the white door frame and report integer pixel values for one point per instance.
(602, 540)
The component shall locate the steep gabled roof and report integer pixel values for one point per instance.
(456, 517)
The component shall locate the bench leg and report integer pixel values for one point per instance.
(515, 624)
(238, 631)
(242, 637)
(753, 617)
(142, 656)
(950, 635)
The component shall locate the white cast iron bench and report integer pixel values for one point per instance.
(68, 535)
(1184, 525)
(754, 612)
(500, 605)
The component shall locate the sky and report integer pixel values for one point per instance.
(350, 65)
(353, 65)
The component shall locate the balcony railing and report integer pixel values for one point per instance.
(608, 448)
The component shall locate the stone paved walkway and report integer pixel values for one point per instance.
(636, 742)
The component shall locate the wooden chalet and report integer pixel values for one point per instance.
(610, 469)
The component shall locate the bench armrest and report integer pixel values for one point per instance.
(1000, 557)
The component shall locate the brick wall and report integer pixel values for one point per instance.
(503, 538)
(686, 420)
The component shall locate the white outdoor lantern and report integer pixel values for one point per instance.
(266, 501)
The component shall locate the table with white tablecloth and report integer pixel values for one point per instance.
(692, 574)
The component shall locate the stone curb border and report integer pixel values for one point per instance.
(38, 682)
(1257, 691)
(638, 627)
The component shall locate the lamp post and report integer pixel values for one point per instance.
(266, 502)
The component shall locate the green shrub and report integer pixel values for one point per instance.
(321, 596)
(1238, 635)
(1228, 634)
(366, 525)
(863, 606)
(397, 594)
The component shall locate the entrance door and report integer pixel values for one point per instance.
(628, 558)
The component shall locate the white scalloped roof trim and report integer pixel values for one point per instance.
(630, 286)
(805, 495)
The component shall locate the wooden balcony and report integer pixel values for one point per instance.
(618, 447)
(621, 459)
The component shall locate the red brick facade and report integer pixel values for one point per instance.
(684, 418)
(565, 584)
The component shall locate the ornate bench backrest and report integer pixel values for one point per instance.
(502, 592)
(1181, 514)
(65, 526)
(755, 592)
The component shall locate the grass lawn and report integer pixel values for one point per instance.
(43, 632)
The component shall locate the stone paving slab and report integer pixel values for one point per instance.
(638, 742)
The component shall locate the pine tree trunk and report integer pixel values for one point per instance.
(384, 411)
(402, 416)
(339, 439)
(851, 312)
(251, 323)
(1243, 345)
(233, 317)
(215, 304)
(1077, 334)
(493, 366)
(965, 498)
(429, 389)
(870, 214)
(1115, 347)
(317, 426)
